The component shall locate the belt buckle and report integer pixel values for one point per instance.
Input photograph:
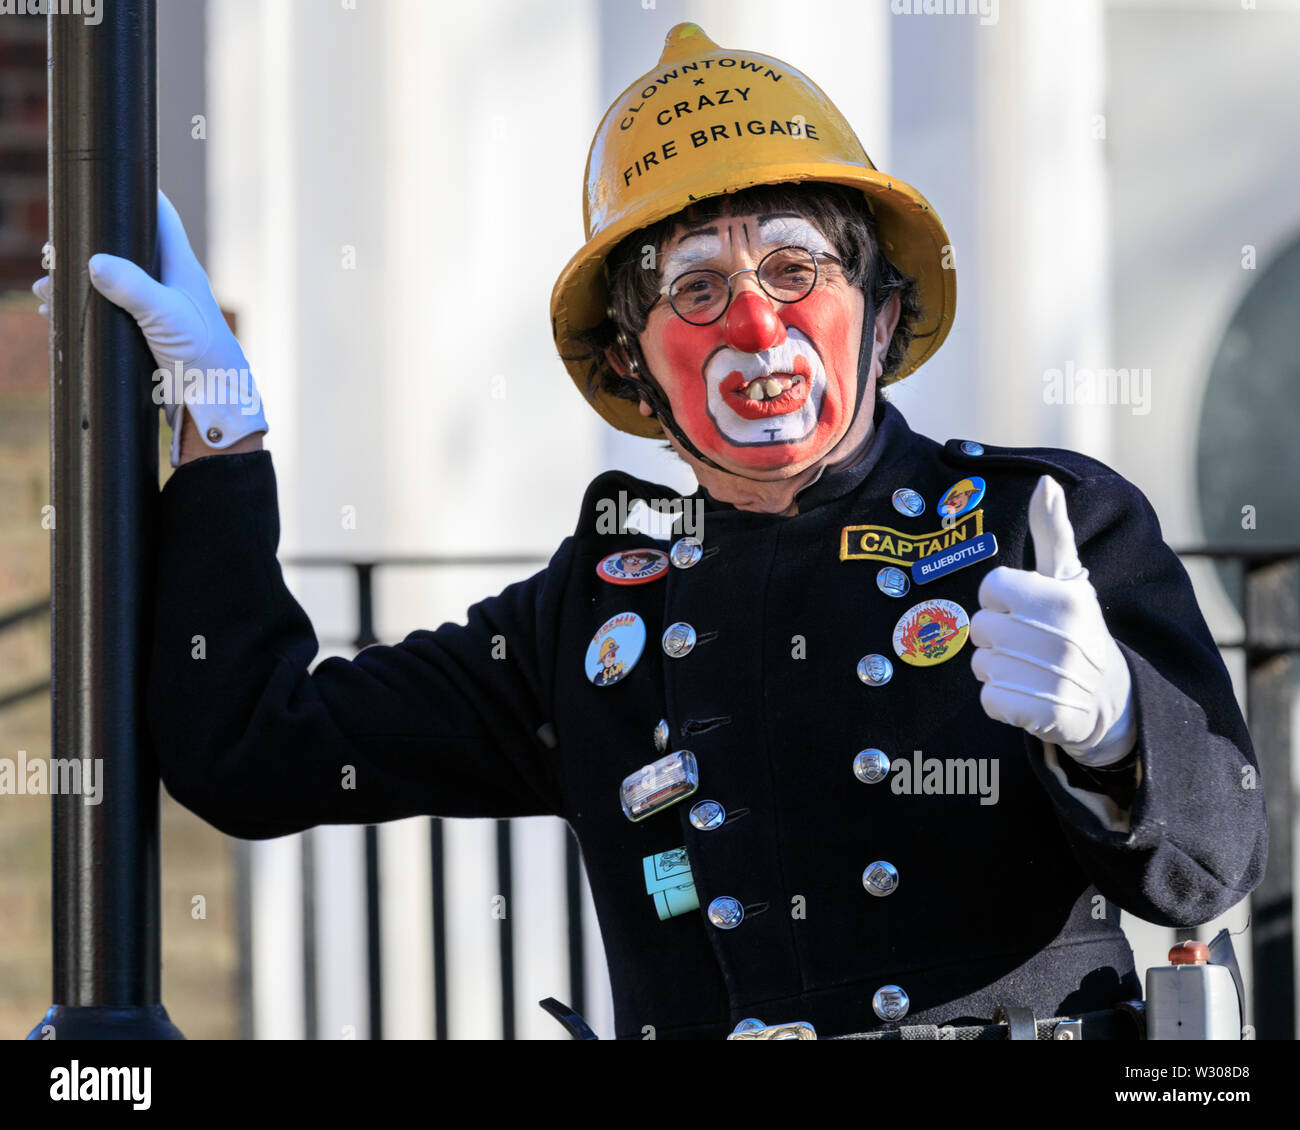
(757, 1030)
(1070, 1029)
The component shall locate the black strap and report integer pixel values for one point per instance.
(1020, 1022)
(572, 1022)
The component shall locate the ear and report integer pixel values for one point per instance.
(618, 362)
(886, 323)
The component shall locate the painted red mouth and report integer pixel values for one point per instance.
(736, 392)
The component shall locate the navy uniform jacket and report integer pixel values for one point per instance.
(1009, 903)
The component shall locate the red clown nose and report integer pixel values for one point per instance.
(751, 324)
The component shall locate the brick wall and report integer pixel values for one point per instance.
(24, 215)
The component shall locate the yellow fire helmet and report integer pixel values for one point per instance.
(646, 163)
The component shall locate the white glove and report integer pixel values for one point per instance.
(183, 325)
(1042, 649)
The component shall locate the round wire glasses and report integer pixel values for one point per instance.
(787, 274)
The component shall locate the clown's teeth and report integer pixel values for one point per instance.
(765, 388)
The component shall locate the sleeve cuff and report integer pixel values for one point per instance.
(235, 412)
(1106, 793)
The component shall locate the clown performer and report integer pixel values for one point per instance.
(790, 283)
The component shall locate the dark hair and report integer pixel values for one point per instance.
(841, 213)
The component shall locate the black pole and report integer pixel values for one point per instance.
(103, 163)
(573, 899)
(374, 947)
(437, 866)
(506, 940)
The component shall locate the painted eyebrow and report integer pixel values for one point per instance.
(712, 229)
(698, 230)
(678, 257)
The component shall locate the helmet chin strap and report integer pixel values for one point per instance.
(653, 392)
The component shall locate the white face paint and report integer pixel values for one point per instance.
(692, 252)
(777, 231)
(704, 250)
(788, 427)
(780, 231)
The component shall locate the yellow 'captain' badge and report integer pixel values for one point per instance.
(880, 543)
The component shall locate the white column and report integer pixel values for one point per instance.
(473, 992)
(275, 869)
(342, 984)
(541, 936)
(1043, 265)
(406, 929)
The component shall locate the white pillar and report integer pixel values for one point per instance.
(1043, 261)
(406, 929)
(275, 872)
(541, 936)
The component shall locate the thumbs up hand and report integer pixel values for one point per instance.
(1042, 649)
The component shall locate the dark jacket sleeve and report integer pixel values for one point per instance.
(1197, 835)
(444, 723)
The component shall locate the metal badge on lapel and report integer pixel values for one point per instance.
(615, 648)
(653, 787)
(875, 670)
(892, 581)
(931, 632)
(907, 501)
(633, 566)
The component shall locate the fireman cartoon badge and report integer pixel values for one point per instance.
(931, 632)
(633, 566)
(615, 648)
(962, 497)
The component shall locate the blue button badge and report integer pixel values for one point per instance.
(615, 648)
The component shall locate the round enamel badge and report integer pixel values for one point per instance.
(931, 632)
(633, 566)
(615, 648)
(962, 497)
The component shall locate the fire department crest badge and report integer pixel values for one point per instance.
(931, 632)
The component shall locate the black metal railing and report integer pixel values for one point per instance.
(365, 635)
(1269, 600)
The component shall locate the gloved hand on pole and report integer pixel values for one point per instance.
(201, 367)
